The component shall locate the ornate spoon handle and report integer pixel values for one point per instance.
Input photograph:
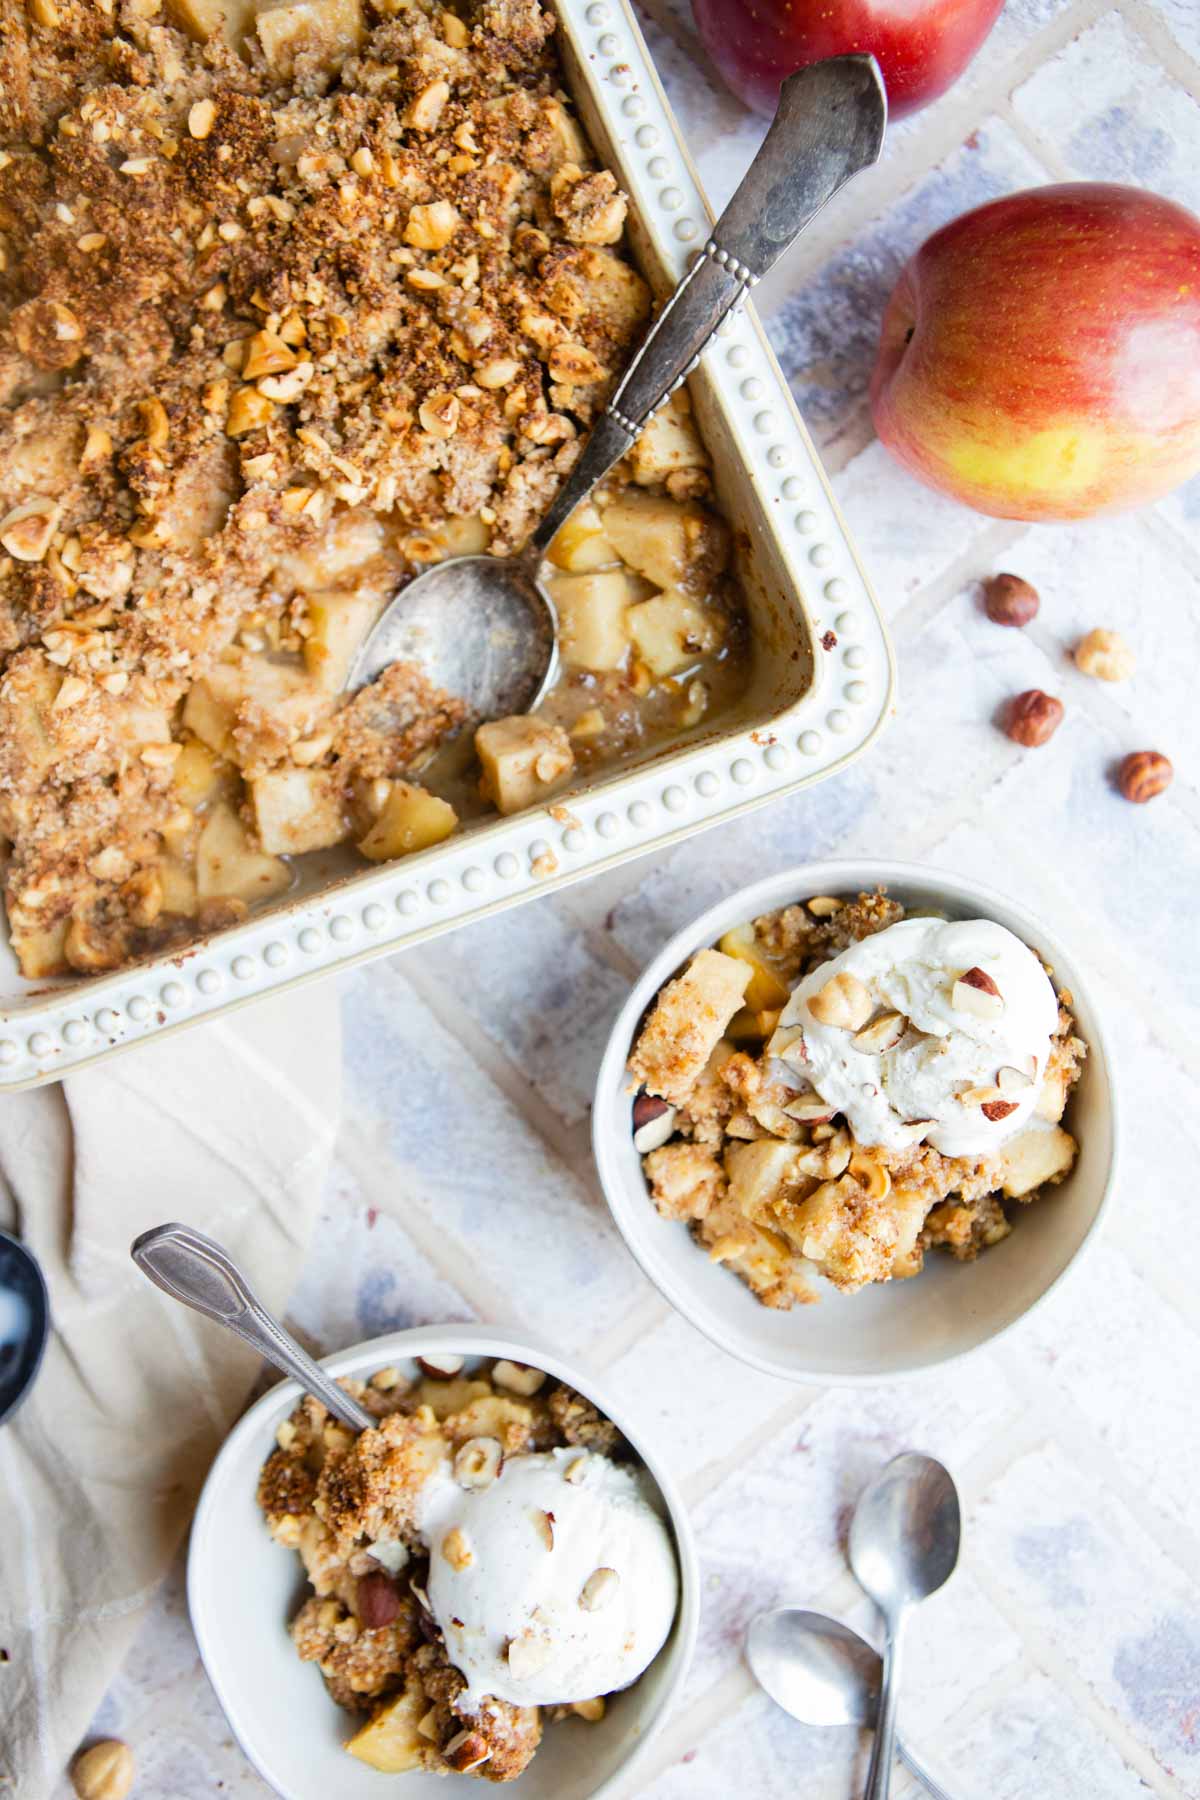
(194, 1269)
(829, 126)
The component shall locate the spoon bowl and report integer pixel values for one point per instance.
(24, 1323)
(815, 1667)
(822, 1673)
(905, 1536)
(481, 627)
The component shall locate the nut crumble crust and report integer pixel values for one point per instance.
(283, 291)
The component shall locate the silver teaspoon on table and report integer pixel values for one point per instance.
(822, 1673)
(904, 1541)
(196, 1270)
(483, 627)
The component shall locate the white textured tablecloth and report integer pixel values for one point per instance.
(227, 1128)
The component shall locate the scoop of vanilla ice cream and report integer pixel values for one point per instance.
(558, 1582)
(928, 1085)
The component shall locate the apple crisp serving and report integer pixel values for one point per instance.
(357, 1510)
(297, 296)
(739, 1142)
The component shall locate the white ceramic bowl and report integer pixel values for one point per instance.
(243, 1588)
(897, 1328)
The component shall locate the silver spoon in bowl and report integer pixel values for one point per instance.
(483, 627)
(904, 1542)
(822, 1673)
(196, 1271)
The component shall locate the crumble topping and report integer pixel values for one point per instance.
(292, 299)
(348, 1504)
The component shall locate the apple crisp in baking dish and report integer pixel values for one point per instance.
(838, 1088)
(294, 299)
(488, 1558)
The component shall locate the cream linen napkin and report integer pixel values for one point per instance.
(229, 1127)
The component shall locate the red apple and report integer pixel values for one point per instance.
(1040, 356)
(922, 46)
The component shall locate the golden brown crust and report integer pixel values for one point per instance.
(245, 287)
(360, 1665)
(372, 1492)
(392, 726)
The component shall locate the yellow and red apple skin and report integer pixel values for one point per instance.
(1040, 356)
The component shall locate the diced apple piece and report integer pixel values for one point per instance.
(744, 1028)
(204, 19)
(391, 1742)
(282, 694)
(210, 710)
(523, 760)
(136, 725)
(331, 28)
(200, 776)
(338, 621)
(767, 990)
(1038, 1154)
(580, 544)
(674, 544)
(229, 867)
(40, 950)
(669, 443)
(298, 809)
(748, 1027)
(758, 1173)
(817, 1225)
(670, 632)
(178, 886)
(569, 142)
(28, 712)
(1052, 1101)
(591, 616)
(689, 1019)
(409, 820)
(607, 288)
(468, 536)
(348, 542)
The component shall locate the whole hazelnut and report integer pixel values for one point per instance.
(1032, 718)
(1106, 655)
(377, 1600)
(1143, 774)
(104, 1771)
(1010, 600)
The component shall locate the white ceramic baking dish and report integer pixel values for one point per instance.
(822, 688)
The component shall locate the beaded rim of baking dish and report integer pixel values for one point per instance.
(507, 861)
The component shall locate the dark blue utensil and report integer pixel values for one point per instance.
(24, 1323)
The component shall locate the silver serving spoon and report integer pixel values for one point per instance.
(483, 627)
(822, 1673)
(24, 1323)
(196, 1270)
(904, 1541)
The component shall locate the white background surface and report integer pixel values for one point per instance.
(1064, 1659)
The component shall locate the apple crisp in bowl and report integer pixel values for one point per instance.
(495, 1580)
(845, 1086)
(298, 296)
(487, 1553)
